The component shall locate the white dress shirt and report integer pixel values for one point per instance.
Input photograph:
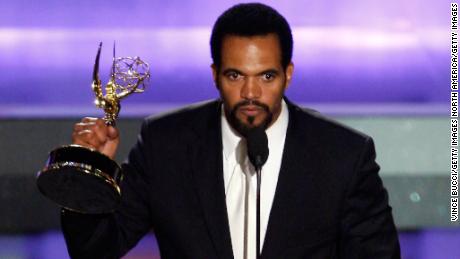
(238, 168)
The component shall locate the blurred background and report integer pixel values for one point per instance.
(382, 67)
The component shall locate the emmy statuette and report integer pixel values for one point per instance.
(82, 179)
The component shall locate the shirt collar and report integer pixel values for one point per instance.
(275, 132)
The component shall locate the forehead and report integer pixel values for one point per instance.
(251, 52)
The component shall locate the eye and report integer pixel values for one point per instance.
(268, 76)
(233, 75)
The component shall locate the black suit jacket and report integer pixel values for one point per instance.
(329, 201)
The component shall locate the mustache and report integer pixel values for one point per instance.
(240, 126)
(251, 102)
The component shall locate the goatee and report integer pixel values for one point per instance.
(243, 128)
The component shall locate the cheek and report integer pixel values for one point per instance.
(230, 92)
(272, 97)
(230, 98)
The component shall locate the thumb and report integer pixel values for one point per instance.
(112, 133)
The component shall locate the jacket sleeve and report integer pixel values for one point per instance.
(367, 226)
(112, 235)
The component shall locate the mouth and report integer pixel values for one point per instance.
(249, 114)
(251, 110)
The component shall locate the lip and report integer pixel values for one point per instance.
(250, 110)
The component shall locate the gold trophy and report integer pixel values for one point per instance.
(82, 179)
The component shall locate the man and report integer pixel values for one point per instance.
(188, 177)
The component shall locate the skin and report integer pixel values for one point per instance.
(95, 134)
(251, 76)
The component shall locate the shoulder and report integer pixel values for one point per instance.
(324, 130)
(192, 110)
(188, 117)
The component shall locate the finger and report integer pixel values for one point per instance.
(91, 126)
(82, 126)
(84, 144)
(101, 130)
(89, 119)
(78, 141)
(89, 137)
(112, 132)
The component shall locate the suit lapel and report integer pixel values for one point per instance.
(208, 178)
(295, 181)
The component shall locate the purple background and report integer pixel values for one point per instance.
(346, 53)
(364, 56)
(420, 244)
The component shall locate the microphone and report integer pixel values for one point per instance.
(257, 145)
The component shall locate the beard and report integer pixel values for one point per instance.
(243, 127)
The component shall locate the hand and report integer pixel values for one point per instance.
(94, 133)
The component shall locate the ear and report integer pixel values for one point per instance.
(289, 72)
(214, 74)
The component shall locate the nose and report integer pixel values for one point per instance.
(251, 89)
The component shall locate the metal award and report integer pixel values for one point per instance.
(82, 179)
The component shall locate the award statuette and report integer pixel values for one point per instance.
(82, 179)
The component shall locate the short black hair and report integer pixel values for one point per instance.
(251, 19)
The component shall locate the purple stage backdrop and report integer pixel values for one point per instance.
(432, 244)
(388, 53)
(359, 55)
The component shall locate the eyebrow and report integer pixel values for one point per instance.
(234, 70)
(270, 71)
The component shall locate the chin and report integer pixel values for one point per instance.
(242, 122)
(256, 121)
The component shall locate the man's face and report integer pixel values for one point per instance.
(251, 80)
